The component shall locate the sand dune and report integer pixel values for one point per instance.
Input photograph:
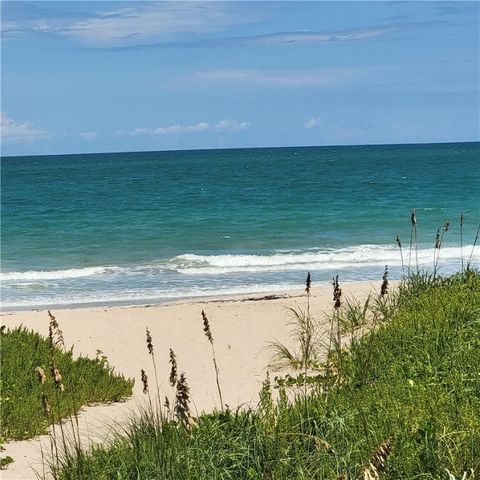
(241, 328)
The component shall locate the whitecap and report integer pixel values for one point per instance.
(56, 274)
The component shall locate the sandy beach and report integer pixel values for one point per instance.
(241, 326)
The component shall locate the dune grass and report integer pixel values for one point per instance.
(403, 402)
(84, 381)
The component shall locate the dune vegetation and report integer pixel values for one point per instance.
(42, 382)
(391, 391)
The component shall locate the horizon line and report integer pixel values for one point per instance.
(242, 148)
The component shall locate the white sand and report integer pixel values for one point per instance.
(241, 330)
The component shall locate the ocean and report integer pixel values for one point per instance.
(137, 228)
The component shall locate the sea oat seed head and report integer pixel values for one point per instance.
(173, 371)
(56, 375)
(413, 218)
(399, 243)
(308, 283)
(144, 381)
(337, 293)
(206, 327)
(437, 239)
(446, 226)
(50, 334)
(384, 287)
(46, 405)
(378, 461)
(42, 377)
(321, 444)
(149, 342)
(53, 321)
(54, 330)
(182, 400)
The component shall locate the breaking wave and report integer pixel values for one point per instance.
(360, 256)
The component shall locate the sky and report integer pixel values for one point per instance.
(133, 76)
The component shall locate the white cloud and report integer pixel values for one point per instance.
(311, 122)
(232, 125)
(136, 132)
(223, 125)
(177, 129)
(20, 132)
(88, 135)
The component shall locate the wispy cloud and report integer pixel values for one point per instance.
(286, 38)
(311, 122)
(12, 131)
(387, 79)
(181, 24)
(134, 24)
(334, 36)
(307, 36)
(324, 77)
(226, 125)
(88, 135)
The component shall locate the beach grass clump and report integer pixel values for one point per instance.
(305, 332)
(39, 377)
(408, 406)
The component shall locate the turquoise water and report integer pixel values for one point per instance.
(143, 227)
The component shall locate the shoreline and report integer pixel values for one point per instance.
(121, 299)
(155, 302)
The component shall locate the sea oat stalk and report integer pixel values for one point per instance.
(438, 245)
(208, 334)
(337, 294)
(473, 248)
(149, 343)
(60, 388)
(399, 243)
(47, 411)
(55, 336)
(308, 284)
(413, 240)
(461, 239)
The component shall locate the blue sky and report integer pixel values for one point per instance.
(130, 76)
